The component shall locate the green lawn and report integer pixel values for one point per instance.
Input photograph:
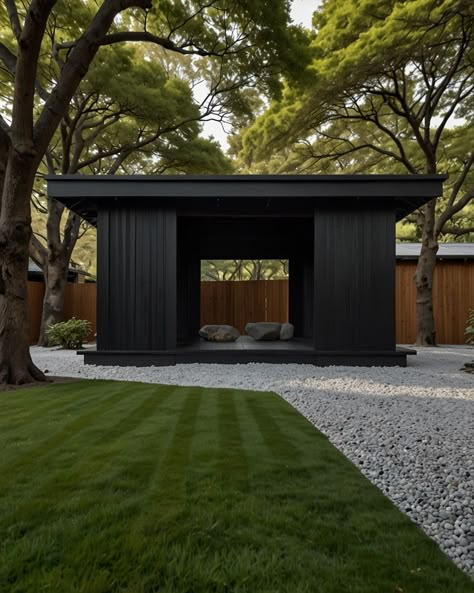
(125, 487)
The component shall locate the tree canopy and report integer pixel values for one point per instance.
(372, 61)
(389, 88)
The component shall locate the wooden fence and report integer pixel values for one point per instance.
(267, 300)
(236, 303)
(453, 296)
(80, 302)
(35, 299)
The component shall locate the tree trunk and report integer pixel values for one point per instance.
(425, 323)
(55, 265)
(55, 278)
(16, 365)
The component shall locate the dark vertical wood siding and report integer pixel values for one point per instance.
(136, 272)
(354, 279)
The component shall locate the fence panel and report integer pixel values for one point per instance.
(453, 296)
(215, 303)
(248, 302)
(80, 302)
(237, 303)
(233, 303)
(276, 293)
(405, 302)
(35, 300)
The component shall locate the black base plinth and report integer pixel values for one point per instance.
(299, 352)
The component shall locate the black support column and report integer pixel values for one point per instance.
(136, 291)
(354, 279)
(189, 293)
(300, 293)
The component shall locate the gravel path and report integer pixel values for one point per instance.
(409, 430)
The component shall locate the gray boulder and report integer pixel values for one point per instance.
(287, 331)
(219, 333)
(263, 331)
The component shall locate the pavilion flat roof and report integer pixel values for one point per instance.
(84, 193)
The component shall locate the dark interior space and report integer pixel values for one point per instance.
(239, 237)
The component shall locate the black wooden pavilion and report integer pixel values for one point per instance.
(338, 233)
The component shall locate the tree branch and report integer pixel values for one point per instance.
(459, 205)
(38, 252)
(71, 233)
(118, 161)
(8, 58)
(459, 97)
(76, 68)
(36, 201)
(13, 16)
(446, 80)
(164, 42)
(4, 125)
(29, 47)
(374, 118)
(452, 207)
(457, 231)
(68, 129)
(124, 151)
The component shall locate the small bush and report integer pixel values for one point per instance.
(470, 328)
(69, 334)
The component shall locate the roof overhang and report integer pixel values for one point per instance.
(85, 194)
(450, 251)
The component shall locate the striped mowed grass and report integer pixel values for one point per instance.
(113, 487)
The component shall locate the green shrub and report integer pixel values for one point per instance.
(470, 328)
(69, 334)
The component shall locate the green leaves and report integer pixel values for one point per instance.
(69, 334)
(412, 57)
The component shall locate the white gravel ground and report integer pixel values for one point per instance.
(409, 430)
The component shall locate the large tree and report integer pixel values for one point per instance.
(388, 81)
(245, 37)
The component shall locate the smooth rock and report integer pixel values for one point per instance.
(263, 331)
(219, 333)
(287, 331)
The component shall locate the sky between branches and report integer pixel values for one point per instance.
(301, 13)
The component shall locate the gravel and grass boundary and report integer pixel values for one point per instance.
(410, 430)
